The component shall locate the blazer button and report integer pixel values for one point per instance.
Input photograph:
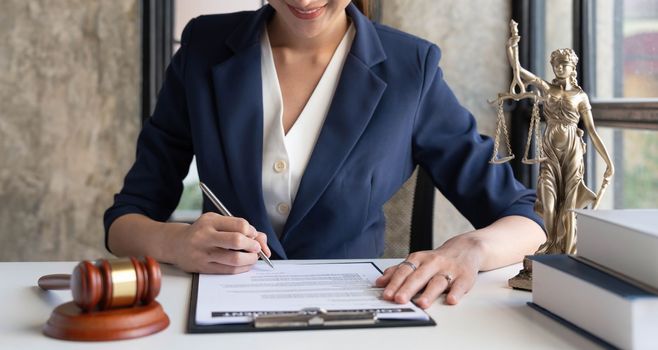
(283, 208)
(280, 165)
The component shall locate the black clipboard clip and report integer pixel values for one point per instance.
(314, 317)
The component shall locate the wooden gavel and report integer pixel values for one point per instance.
(109, 284)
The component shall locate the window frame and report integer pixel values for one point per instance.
(623, 113)
(157, 49)
(529, 14)
(626, 113)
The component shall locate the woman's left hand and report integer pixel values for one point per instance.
(452, 267)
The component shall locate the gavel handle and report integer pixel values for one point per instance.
(55, 282)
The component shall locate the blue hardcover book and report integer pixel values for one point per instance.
(601, 304)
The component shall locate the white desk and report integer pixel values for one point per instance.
(491, 316)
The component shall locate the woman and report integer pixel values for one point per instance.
(561, 187)
(308, 148)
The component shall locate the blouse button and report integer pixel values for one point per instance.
(283, 208)
(280, 165)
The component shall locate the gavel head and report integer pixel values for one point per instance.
(108, 284)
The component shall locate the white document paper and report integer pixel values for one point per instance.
(224, 299)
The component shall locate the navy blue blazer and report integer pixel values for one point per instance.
(391, 111)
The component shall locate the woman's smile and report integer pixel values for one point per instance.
(307, 14)
(296, 22)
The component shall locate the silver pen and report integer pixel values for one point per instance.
(222, 210)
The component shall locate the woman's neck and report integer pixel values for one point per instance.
(281, 36)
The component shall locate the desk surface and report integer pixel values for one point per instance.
(491, 316)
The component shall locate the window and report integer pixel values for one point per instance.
(625, 88)
(617, 43)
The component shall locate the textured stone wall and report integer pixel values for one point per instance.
(472, 37)
(69, 117)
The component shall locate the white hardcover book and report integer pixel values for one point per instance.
(604, 306)
(625, 241)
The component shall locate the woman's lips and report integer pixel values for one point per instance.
(307, 14)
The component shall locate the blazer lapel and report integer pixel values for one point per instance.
(355, 100)
(238, 94)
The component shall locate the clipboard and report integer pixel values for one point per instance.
(307, 319)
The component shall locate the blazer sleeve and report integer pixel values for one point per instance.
(447, 144)
(153, 185)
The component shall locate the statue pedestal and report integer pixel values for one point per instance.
(523, 280)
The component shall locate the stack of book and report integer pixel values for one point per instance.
(609, 291)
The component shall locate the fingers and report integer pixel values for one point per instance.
(457, 290)
(220, 244)
(437, 285)
(229, 232)
(436, 272)
(231, 257)
(233, 240)
(383, 280)
(404, 283)
(414, 282)
(399, 276)
(229, 224)
(261, 238)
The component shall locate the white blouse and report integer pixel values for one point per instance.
(285, 156)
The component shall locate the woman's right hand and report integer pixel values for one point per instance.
(218, 244)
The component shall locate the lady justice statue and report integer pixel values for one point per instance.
(560, 187)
